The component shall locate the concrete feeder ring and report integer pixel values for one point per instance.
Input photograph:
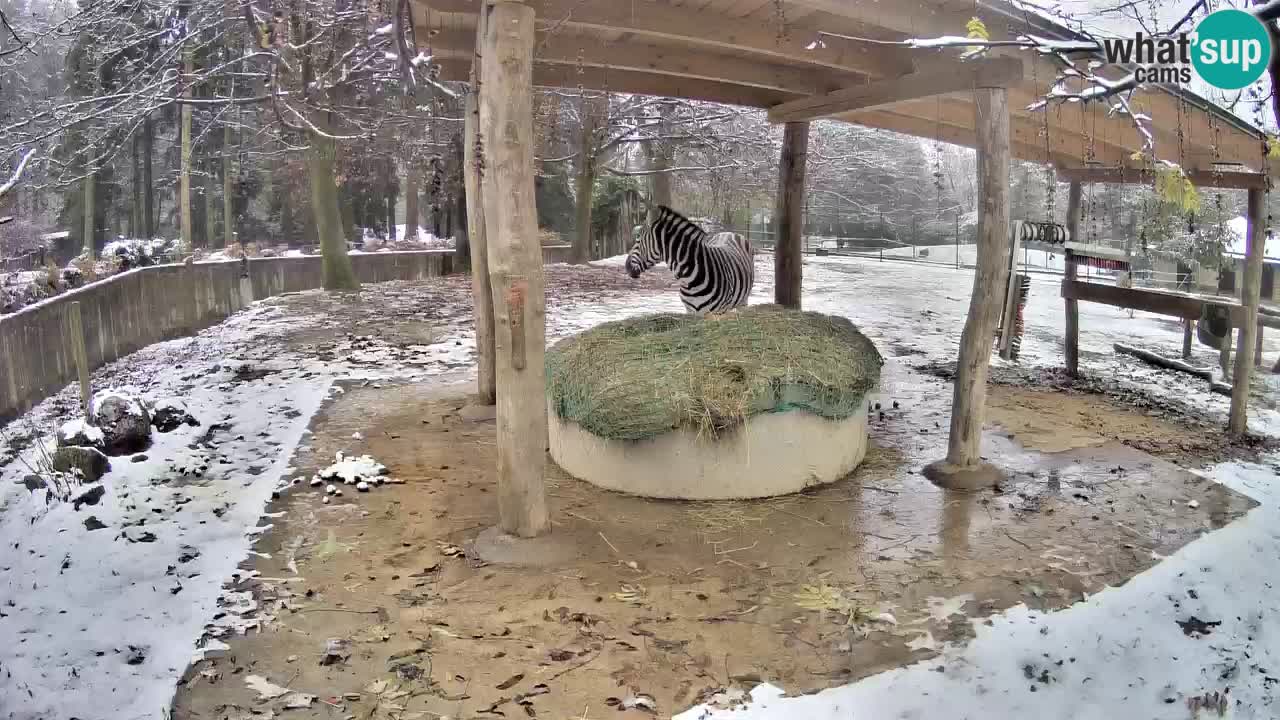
(771, 454)
(756, 403)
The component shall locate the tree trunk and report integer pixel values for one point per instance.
(411, 174)
(135, 204)
(347, 214)
(211, 237)
(515, 267)
(391, 217)
(148, 185)
(993, 155)
(228, 189)
(1250, 289)
(585, 184)
(659, 181)
(788, 267)
(184, 172)
(1071, 342)
(322, 161)
(461, 235)
(481, 290)
(90, 214)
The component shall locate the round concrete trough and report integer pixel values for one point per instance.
(771, 454)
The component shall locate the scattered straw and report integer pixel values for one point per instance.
(606, 542)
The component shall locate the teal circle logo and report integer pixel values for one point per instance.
(1231, 49)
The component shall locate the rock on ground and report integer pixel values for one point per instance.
(91, 462)
(124, 421)
(170, 414)
(78, 433)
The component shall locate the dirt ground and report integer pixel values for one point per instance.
(666, 603)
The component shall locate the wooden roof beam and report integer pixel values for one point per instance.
(951, 134)
(685, 62)
(703, 29)
(640, 83)
(912, 18)
(1000, 72)
(1027, 130)
(1200, 178)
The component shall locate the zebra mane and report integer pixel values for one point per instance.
(679, 221)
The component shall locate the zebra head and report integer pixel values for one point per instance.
(649, 248)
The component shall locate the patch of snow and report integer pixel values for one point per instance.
(373, 241)
(1121, 653)
(352, 470)
(78, 427)
(1238, 240)
(615, 261)
(130, 397)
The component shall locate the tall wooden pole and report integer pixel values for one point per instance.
(481, 290)
(992, 123)
(515, 266)
(788, 223)
(1250, 289)
(1071, 339)
(73, 331)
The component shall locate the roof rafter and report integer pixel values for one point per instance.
(702, 28)
(647, 57)
(926, 82)
(640, 83)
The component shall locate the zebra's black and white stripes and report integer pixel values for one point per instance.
(716, 272)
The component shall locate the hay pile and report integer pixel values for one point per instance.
(639, 378)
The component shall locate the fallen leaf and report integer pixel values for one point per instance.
(632, 594)
(297, 701)
(510, 682)
(266, 689)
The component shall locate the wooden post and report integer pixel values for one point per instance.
(1186, 339)
(1224, 356)
(1071, 338)
(1257, 348)
(1010, 311)
(515, 265)
(992, 123)
(1250, 289)
(788, 222)
(481, 291)
(73, 330)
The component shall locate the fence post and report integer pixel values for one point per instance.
(73, 331)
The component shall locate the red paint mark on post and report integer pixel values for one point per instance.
(516, 295)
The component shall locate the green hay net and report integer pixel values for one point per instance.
(642, 377)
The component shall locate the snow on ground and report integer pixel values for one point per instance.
(946, 255)
(99, 619)
(1130, 651)
(351, 470)
(101, 608)
(1238, 239)
(425, 240)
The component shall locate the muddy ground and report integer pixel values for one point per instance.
(667, 603)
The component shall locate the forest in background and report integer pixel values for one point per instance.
(249, 127)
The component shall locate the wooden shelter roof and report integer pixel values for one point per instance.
(759, 53)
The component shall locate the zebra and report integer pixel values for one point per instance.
(716, 272)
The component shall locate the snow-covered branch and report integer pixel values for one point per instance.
(660, 171)
(12, 182)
